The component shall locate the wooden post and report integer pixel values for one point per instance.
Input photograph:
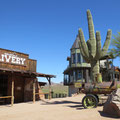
(34, 91)
(50, 91)
(49, 80)
(86, 75)
(82, 74)
(12, 92)
(119, 75)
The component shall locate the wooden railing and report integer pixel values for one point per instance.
(41, 93)
(6, 97)
(49, 95)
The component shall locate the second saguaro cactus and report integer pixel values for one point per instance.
(91, 50)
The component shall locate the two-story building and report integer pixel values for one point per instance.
(77, 70)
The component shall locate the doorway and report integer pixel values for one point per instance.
(19, 89)
(3, 87)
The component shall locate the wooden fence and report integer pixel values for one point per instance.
(55, 95)
(5, 97)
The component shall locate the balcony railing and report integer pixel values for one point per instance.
(68, 82)
(71, 81)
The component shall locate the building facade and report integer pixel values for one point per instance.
(18, 78)
(77, 70)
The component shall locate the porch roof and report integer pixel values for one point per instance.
(43, 75)
(42, 83)
(27, 72)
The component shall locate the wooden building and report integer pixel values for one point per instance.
(18, 77)
(77, 70)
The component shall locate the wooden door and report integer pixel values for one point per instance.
(19, 89)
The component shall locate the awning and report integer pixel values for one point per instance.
(43, 75)
(42, 83)
(27, 72)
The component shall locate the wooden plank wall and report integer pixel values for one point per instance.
(30, 64)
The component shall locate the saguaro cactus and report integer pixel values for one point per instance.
(91, 50)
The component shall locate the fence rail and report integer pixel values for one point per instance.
(41, 93)
(56, 95)
(5, 97)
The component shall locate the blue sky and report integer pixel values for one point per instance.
(46, 29)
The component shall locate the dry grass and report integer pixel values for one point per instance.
(57, 88)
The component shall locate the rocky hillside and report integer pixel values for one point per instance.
(56, 88)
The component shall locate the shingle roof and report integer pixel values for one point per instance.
(75, 44)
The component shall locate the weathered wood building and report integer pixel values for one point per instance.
(18, 77)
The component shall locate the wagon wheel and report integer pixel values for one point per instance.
(89, 101)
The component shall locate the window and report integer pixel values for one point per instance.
(84, 61)
(79, 74)
(78, 58)
(74, 75)
(73, 58)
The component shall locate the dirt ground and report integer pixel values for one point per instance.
(69, 108)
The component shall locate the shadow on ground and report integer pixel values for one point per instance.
(77, 105)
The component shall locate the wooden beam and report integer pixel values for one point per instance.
(6, 97)
(50, 91)
(119, 75)
(49, 80)
(33, 90)
(12, 92)
(41, 93)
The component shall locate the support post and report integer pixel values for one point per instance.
(87, 76)
(12, 92)
(33, 90)
(49, 80)
(82, 74)
(119, 75)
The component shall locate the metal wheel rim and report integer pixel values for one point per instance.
(89, 102)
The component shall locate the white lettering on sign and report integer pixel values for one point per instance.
(11, 58)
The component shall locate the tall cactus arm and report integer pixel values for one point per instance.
(90, 25)
(82, 53)
(83, 43)
(98, 45)
(89, 49)
(107, 42)
(91, 33)
(89, 45)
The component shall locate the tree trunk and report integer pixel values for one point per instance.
(94, 69)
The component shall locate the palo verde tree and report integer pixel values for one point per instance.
(116, 45)
(91, 50)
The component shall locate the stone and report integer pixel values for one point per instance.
(112, 105)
